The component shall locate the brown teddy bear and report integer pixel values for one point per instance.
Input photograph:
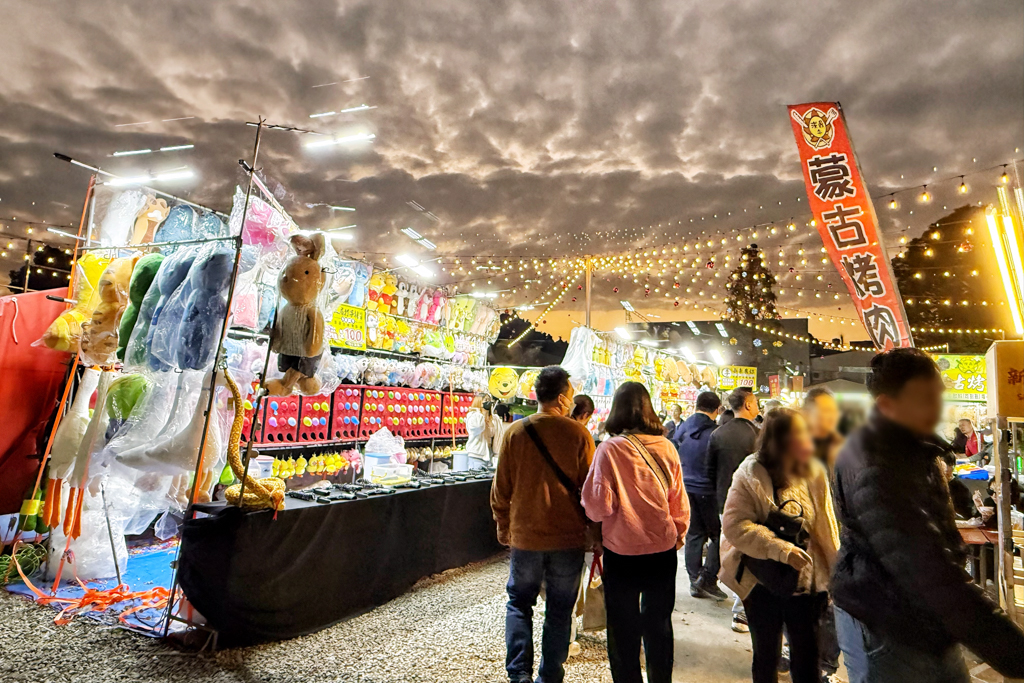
(99, 334)
(298, 334)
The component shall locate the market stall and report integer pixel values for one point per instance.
(256, 383)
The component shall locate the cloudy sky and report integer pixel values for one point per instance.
(541, 128)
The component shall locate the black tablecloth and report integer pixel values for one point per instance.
(258, 579)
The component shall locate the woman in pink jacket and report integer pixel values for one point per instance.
(635, 489)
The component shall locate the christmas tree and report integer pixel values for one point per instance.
(751, 295)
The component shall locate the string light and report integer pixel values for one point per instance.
(963, 186)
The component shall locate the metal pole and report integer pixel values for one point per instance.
(213, 376)
(28, 264)
(590, 273)
(110, 532)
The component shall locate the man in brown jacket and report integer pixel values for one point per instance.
(535, 501)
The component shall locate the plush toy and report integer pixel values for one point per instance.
(142, 278)
(360, 286)
(204, 311)
(503, 383)
(526, 382)
(66, 442)
(481, 319)
(118, 223)
(344, 280)
(65, 331)
(386, 302)
(403, 336)
(170, 274)
(179, 225)
(422, 309)
(99, 335)
(298, 334)
(401, 299)
(412, 301)
(376, 284)
(388, 329)
(436, 308)
(373, 339)
(210, 225)
(148, 220)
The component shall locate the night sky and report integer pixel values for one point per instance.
(528, 129)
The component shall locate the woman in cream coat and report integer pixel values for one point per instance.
(783, 468)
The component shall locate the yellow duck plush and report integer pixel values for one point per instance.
(65, 331)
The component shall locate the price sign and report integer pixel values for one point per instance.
(734, 376)
(347, 328)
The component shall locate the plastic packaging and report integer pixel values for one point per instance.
(99, 334)
(203, 317)
(119, 220)
(65, 332)
(163, 331)
(142, 279)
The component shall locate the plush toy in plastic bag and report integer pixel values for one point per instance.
(99, 334)
(142, 278)
(298, 334)
(149, 218)
(120, 218)
(179, 226)
(173, 271)
(263, 223)
(64, 333)
(164, 336)
(203, 319)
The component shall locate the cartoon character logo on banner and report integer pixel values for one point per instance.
(503, 383)
(526, 382)
(816, 126)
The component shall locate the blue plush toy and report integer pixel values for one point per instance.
(210, 225)
(204, 311)
(180, 225)
(172, 276)
(358, 296)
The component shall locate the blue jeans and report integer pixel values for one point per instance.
(870, 658)
(560, 572)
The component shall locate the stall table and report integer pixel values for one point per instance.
(977, 539)
(257, 579)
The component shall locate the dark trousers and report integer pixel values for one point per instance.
(801, 615)
(871, 658)
(560, 571)
(705, 530)
(639, 594)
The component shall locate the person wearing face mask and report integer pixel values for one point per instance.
(535, 499)
(903, 598)
(782, 474)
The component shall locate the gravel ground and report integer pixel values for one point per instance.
(448, 628)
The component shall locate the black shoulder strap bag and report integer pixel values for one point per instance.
(574, 491)
(778, 577)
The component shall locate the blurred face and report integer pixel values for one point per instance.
(824, 415)
(918, 406)
(966, 427)
(677, 413)
(584, 418)
(800, 449)
(565, 403)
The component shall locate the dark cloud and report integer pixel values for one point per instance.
(548, 128)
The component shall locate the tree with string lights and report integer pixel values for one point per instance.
(751, 288)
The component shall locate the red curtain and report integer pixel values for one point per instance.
(31, 382)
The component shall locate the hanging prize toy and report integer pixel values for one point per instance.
(259, 493)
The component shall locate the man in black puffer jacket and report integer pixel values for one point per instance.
(903, 597)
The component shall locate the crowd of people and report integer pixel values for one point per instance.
(826, 544)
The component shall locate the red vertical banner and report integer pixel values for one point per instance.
(846, 220)
(774, 388)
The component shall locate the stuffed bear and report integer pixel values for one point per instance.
(148, 220)
(65, 331)
(376, 284)
(387, 328)
(372, 332)
(386, 302)
(298, 334)
(99, 335)
(173, 272)
(207, 303)
(142, 278)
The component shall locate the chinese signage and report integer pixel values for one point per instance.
(964, 377)
(846, 220)
(734, 376)
(774, 386)
(1005, 364)
(347, 328)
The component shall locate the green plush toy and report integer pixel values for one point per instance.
(142, 278)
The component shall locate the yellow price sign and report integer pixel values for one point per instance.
(735, 376)
(964, 376)
(347, 328)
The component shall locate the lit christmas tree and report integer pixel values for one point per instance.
(751, 295)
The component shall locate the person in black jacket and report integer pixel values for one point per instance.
(902, 595)
(691, 439)
(732, 442)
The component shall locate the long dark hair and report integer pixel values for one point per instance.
(773, 442)
(632, 411)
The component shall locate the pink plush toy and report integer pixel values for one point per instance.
(422, 310)
(436, 309)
